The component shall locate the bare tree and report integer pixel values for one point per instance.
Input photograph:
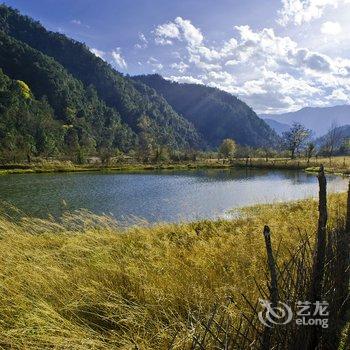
(333, 140)
(295, 138)
(310, 149)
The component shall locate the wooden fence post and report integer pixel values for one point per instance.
(347, 225)
(319, 256)
(272, 266)
(340, 277)
(266, 336)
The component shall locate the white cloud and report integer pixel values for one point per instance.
(303, 11)
(185, 79)
(271, 73)
(143, 42)
(165, 32)
(118, 58)
(231, 63)
(181, 29)
(76, 21)
(331, 28)
(180, 67)
(142, 38)
(221, 80)
(168, 30)
(198, 61)
(312, 60)
(113, 57)
(157, 66)
(163, 41)
(339, 95)
(190, 33)
(98, 53)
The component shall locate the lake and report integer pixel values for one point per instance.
(159, 195)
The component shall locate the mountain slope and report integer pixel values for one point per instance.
(317, 119)
(131, 100)
(216, 114)
(280, 128)
(88, 119)
(27, 126)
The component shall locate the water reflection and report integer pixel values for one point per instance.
(160, 195)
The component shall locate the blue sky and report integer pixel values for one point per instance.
(277, 55)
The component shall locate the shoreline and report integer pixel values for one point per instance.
(121, 168)
(273, 164)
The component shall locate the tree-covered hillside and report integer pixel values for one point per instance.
(89, 124)
(97, 110)
(134, 102)
(216, 114)
(27, 126)
(279, 128)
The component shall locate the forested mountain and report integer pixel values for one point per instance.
(279, 127)
(318, 119)
(27, 125)
(216, 114)
(87, 107)
(139, 106)
(88, 124)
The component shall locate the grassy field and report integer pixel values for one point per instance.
(58, 166)
(338, 165)
(85, 283)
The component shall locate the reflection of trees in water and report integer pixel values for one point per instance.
(212, 175)
(298, 177)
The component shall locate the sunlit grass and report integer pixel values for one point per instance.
(85, 283)
(339, 164)
(67, 166)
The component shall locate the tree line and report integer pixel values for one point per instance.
(295, 142)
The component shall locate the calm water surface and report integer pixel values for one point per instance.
(158, 196)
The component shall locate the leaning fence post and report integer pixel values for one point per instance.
(346, 306)
(347, 224)
(266, 336)
(272, 266)
(341, 281)
(319, 255)
(320, 252)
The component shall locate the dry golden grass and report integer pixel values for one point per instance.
(339, 164)
(87, 284)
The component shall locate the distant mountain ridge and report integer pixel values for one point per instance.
(318, 119)
(280, 128)
(215, 114)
